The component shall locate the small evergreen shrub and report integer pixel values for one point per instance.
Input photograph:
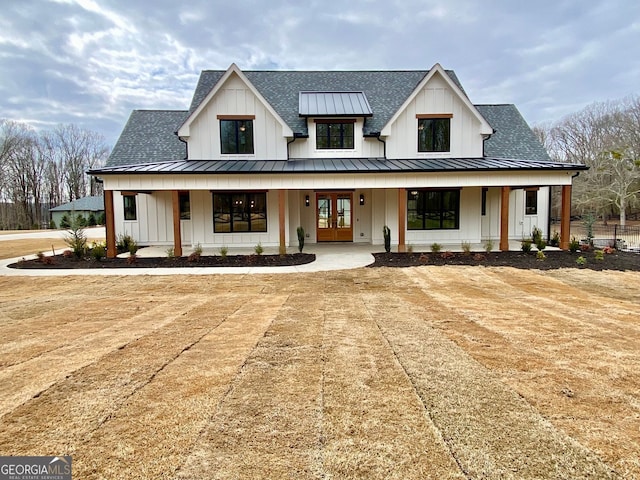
(436, 247)
(525, 245)
(555, 239)
(574, 245)
(170, 253)
(536, 235)
(466, 248)
(92, 220)
(541, 244)
(224, 251)
(488, 246)
(98, 251)
(52, 224)
(64, 221)
(300, 233)
(76, 239)
(125, 242)
(581, 261)
(540, 255)
(386, 233)
(258, 249)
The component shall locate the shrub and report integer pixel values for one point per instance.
(541, 244)
(132, 259)
(447, 255)
(80, 220)
(525, 245)
(424, 258)
(555, 239)
(588, 221)
(436, 247)
(224, 251)
(536, 235)
(98, 251)
(198, 249)
(466, 248)
(193, 257)
(67, 254)
(581, 260)
(488, 246)
(386, 233)
(101, 219)
(170, 253)
(258, 249)
(574, 245)
(300, 233)
(540, 255)
(409, 248)
(479, 257)
(76, 239)
(92, 220)
(52, 224)
(40, 256)
(598, 255)
(125, 242)
(64, 221)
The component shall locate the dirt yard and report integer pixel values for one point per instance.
(424, 372)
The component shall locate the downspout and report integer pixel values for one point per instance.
(296, 135)
(186, 149)
(376, 135)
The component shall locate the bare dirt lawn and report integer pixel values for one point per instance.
(422, 372)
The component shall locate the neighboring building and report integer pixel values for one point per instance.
(340, 153)
(83, 206)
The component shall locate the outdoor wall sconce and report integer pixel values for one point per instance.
(361, 199)
(306, 201)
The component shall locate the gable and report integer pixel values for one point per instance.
(437, 93)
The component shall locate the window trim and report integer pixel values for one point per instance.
(236, 119)
(130, 197)
(433, 116)
(422, 207)
(531, 209)
(336, 121)
(230, 210)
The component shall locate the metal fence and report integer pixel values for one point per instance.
(620, 237)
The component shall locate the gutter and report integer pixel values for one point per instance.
(186, 145)
(376, 135)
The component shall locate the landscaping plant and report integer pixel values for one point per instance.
(436, 247)
(76, 239)
(387, 238)
(300, 232)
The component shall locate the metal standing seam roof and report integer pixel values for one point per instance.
(335, 165)
(320, 104)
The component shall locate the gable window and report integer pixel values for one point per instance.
(433, 209)
(130, 210)
(239, 212)
(185, 205)
(434, 132)
(236, 134)
(334, 134)
(531, 202)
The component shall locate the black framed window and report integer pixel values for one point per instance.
(334, 135)
(239, 212)
(130, 209)
(433, 209)
(236, 136)
(185, 205)
(484, 201)
(434, 134)
(531, 202)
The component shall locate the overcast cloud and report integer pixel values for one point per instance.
(91, 62)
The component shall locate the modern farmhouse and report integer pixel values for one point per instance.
(339, 153)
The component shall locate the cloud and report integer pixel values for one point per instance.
(91, 62)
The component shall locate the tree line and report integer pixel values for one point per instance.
(605, 136)
(41, 170)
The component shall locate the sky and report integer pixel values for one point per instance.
(90, 62)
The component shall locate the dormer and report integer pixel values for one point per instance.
(335, 122)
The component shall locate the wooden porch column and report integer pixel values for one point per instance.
(281, 217)
(402, 219)
(109, 224)
(504, 219)
(177, 236)
(565, 217)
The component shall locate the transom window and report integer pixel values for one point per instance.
(434, 134)
(433, 209)
(236, 136)
(334, 134)
(239, 212)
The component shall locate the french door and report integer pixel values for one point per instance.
(334, 216)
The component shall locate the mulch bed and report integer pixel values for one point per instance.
(63, 262)
(553, 260)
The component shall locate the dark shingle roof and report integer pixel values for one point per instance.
(385, 90)
(337, 165)
(85, 204)
(513, 138)
(149, 136)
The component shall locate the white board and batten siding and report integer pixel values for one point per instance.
(436, 98)
(235, 98)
